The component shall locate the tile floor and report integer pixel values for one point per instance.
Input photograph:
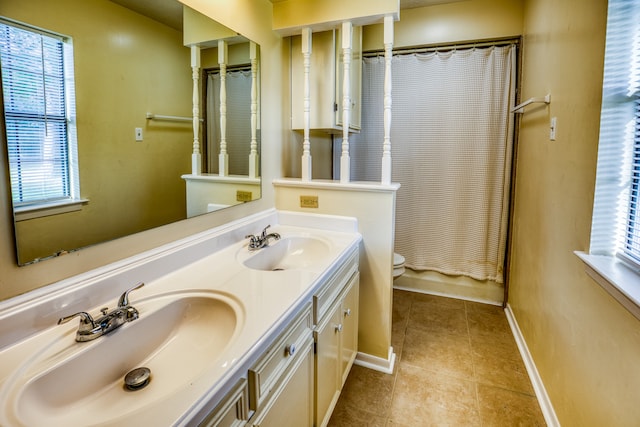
(457, 365)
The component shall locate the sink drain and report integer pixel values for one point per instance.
(137, 378)
(278, 269)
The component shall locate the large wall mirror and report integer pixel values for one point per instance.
(134, 91)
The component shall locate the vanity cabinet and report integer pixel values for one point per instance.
(281, 382)
(336, 336)
(233, 410)
(297, 380)
(326, 80)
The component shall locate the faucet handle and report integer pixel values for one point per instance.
(124, 298)
(253, 241)
(85, 319)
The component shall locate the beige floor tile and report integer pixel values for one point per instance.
(431, 317)
(345, 415)
(368, 390)
(501, 372)
(402, 299)
(495, 346)
(457, 365)
(437, 300)
(500, 407)
(391, 423)
(441, 352)
(485, 324)
(477, 307)
(426, 398)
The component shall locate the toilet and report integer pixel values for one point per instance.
(398, 265)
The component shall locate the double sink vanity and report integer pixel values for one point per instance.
(226, 334)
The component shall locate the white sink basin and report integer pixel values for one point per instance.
(288, 253)
(178, 337)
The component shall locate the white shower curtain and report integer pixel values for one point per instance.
(238, 135)
(452, 137)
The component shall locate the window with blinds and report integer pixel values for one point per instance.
(37, 83)
(616, 217)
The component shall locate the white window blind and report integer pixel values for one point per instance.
(37, 81)
(616, 217)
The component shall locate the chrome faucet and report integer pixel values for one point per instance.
(90, 329)
(261, 241)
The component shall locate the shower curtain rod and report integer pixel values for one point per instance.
(443, 48)
(229, 68)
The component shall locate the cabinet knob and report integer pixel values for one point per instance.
(339, 328)
(347, 312)
(290, 350)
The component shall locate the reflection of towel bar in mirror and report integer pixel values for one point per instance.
(151, 116)
(520, 107)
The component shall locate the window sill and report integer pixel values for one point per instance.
(38, 211)
(616, 278)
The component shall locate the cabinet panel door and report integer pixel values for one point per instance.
(349, 320)
(322, 81)
(292, 405)
(232, 411)
(327, 365)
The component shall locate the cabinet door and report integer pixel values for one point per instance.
(349, 334)
(233, 409)
(292, 404)
(322, 78)
(327, 364)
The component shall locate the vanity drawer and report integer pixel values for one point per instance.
(324, 299)
(270, 369)
(233, 410)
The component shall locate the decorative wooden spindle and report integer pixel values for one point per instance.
(223, 157)
(196, 156)
(386, 144)
(253, 146)
(345, 161)
(306, 143)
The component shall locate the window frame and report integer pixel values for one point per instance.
(610, 262)
(71, 201)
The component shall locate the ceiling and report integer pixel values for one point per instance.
(409, 4)
(169, 12)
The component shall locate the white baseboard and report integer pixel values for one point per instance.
(377, 363)
(538, 387)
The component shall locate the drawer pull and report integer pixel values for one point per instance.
(290, 350)
(339, 328)
(347, 312)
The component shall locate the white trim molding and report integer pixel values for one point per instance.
(377, 363)
(538, 386)
(23, 213)
(616, 277)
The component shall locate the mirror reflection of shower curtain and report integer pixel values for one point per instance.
(238, 135)
(451, 144)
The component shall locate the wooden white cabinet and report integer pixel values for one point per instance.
(349, 333)
(233, 410)
(281, 382)
(326, 71)
(336, 338)
(297, 380)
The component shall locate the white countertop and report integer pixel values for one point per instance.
(266, 300)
